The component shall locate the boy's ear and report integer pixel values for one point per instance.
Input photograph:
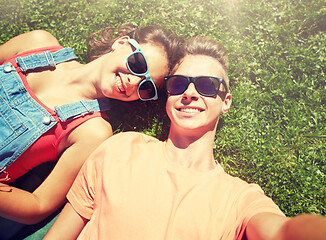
(226, 103)
(119, 42)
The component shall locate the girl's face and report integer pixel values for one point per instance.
(118, 82)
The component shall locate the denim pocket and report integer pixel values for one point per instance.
(11, 126)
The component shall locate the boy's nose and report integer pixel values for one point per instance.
(191, 92)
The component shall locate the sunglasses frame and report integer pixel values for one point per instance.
(148, 78)
(194, 80)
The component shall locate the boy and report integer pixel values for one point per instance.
(137, 187)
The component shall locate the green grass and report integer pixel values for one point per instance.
(275, 133)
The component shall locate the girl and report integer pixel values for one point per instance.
(52, 106)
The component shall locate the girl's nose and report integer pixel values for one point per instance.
(132, 84)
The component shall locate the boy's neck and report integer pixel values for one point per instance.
(195, 152)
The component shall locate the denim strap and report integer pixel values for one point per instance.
(45, 59)
(81, 108)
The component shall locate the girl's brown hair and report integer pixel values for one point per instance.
(100, 43)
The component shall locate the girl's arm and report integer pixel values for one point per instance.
(68, 225)
(30, 208)
(26, 41)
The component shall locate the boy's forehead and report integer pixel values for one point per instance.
(199, 65)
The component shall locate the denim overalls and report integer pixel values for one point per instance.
(22, 119)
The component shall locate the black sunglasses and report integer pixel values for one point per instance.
(205, 85)
(138, 66)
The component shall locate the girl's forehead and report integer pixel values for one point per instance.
(157, 61)
(151, 49)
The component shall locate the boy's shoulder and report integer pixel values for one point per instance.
(130, 138)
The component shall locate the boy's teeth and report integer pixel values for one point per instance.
(191, 110)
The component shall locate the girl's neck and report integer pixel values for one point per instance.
(84, 79)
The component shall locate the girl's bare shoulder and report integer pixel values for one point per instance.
(25, 42)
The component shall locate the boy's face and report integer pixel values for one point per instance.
(190, 110)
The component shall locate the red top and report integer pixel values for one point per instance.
(45, 149)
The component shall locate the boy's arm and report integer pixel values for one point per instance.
(269, 226)
(68, 225)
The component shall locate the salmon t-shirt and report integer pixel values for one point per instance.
(129, 189)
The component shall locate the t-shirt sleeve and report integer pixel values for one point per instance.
(82, 193)
(251, 202)
(88, 185)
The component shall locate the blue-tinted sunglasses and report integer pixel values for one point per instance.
(205, 85)
(137, 65)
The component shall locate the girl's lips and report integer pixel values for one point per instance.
(119, 84)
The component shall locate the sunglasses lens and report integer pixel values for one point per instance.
(137, 63)
(177, 85)
(207, 86)
(146, 90)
